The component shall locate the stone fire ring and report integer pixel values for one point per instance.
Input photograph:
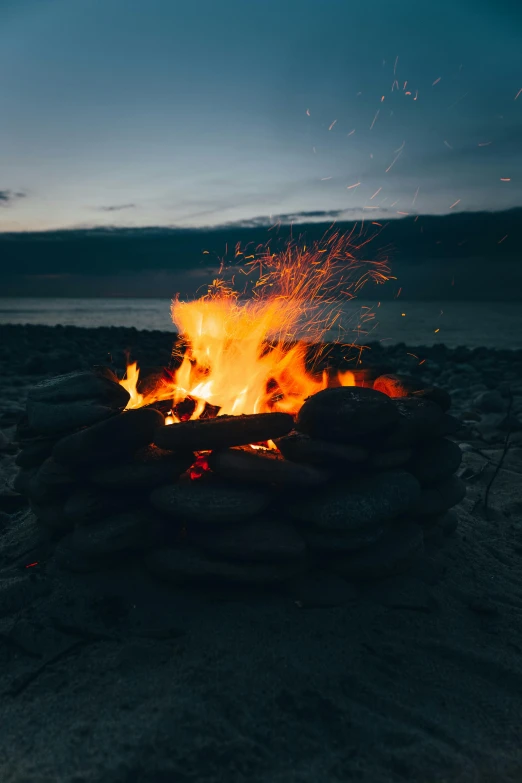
(362, 481)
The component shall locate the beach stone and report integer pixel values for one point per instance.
(110, 440)
(331, 541)
(384, 460)
(264, 467)
(99, 384)
(23, 480)
(449, 425)
(321, 589)
(490, 402)
(223, 431)
(211, 502)
(346, 413)
(298, 447)
(262, 540)
(405, 386)
(35, 452)
(417, 420)
(50, 419)
(393, 554)
(436, 500)
(11, 502)
(51, 481)
(435, 462)
(87, 505)
(149, 468)
(116, 533)
(187, 565)
(403, 591)
(361, 503)
(52, 516)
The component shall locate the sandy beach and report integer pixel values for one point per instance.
(115, 677)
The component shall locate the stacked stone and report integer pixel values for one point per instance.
(359, 481)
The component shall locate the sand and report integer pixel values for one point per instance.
(116, 678)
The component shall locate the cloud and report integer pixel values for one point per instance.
(8, 196)
(116, 207)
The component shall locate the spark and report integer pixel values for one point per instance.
(331, 126)
(415, 196)
(416, 95)
(437, 330)
(308, 112)
(412, 354)
(422, 362)
(374, 223)
(355, 185)
(448, 144)
(351, 132)
(436, 81)
(395, 159)
(323, 179)
(501, 240)
(31, 565)
(404, 86)
(395, 65)
(382, 98)
(403, 213)
(484, 143)
(403, 315)
(375, 194)
(518, 93)
(373, 121)
(455, 203)
(505, 179)
(206, 252)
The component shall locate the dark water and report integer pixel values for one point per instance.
(490, 324)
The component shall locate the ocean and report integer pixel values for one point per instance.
(488, 324)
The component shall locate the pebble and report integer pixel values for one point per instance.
(110, 440)
(98, 384)
(349, 541)
(52, 516)
(298, 447)
(89, 504)
(50, 482)
(435, 462)
(117, 533)
(50, 419)
(390, 459)
(188, 565)
(321, 589)
(264, 467)
(393, 554)
(223, 431)
(258, 540)
(149, 468)
(490, 402)
(361, 503)
(23, 480)
(437, 500)
(35, 452)
(417, 420)
(211, 502)
(346, 413)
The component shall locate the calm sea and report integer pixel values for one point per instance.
(490, 324)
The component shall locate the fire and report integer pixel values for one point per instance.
(242, 354)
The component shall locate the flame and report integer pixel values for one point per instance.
(242, 354)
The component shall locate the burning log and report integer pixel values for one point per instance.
(224, 431)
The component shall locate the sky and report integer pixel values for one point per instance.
(205, 113)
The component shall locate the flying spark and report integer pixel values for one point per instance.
(455, 203)
(331, 126)
(355, 185)
(436, 81)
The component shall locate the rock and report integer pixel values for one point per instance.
(403, 592)
(390, 459)
(417, 420)
(349, 541)
(261, 539)
(405, 386)
(490, 402)
(210, 502)
(50, 482)
(98, 384)
(52, 516)
(11, 502)
(435, 462)
(23, 480)
(358, 504)
(344, 414)
(187, 565)
(110, 440)
(35, 452)
(49, 419)
(87, 505)
(449, 425)
(264, 467)
(149, 468)
(120, 532)
(223, 431)
(5, 443)
(393, 554)
(320, 589)
(437, 500)
(298, 447)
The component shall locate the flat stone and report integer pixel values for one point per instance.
(211, 502)
(393, 554)
(35, 452)
(264, 467)
(358, 504)
(223, 431)
(187, 565)
(390, 459)
(118, 437)
(117, 533)
(437, 500)
(150, 467)
(50, 482)
(53, 419)
(350, 541)
(405, 386)
(99, 384)
(344, 414)
(435, 462)
(298, 447)
(417, 420)
(262, 540)
(87, 505)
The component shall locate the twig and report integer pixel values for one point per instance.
(504, 452)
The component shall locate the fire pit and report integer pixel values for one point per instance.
(352, 482)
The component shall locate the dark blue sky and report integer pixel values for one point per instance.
(201, 112)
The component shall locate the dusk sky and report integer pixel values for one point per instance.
(199, 113)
